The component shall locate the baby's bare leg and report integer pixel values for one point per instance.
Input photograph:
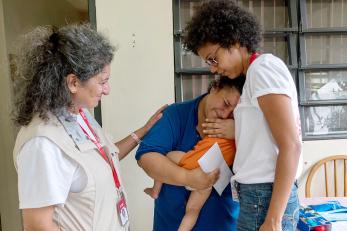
(174, 156)
(155, 190)
(196, 200)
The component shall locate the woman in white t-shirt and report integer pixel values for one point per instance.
(267, 121)
(68, 167)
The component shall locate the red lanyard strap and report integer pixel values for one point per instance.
(253, 57)
(96, 141)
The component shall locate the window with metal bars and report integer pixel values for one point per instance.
(310, 36)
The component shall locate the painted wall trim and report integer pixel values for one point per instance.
(92, 21)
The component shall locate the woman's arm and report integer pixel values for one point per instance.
(39, 219)
(129, 143)
(279, 115)
(162, 169)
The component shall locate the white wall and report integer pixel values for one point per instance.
(142, 79)
(22, 16)
(10, 217)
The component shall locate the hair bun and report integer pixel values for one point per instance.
(54, 38)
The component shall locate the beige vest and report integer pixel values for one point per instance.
(94, 208)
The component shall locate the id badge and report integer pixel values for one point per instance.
(234, 192)
(122, 211)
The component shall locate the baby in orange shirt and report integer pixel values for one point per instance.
(189, 160)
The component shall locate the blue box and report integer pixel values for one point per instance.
(309, 220)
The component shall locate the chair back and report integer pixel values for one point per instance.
(337, 163)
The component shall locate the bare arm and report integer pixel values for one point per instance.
(127, 144)
(162, 169)
(39, 219)
(278, 113)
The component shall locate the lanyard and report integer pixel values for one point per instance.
(253, 57)
(101, 150)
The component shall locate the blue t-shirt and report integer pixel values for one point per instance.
(176, 131)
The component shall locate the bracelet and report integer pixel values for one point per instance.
(136, 138)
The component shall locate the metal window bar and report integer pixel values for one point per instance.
(308, 135)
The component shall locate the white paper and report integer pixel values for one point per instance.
(213, 159)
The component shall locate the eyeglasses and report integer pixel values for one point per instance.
(212, 61)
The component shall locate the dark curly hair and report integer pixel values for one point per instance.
(46, 56)
(224, 81)
(224, 23)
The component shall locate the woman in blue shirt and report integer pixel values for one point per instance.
(179, 130)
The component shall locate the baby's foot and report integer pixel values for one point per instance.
(151, 192)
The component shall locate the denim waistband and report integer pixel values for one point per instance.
(261, 186)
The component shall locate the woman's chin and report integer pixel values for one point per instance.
(95, 104)
(231, 76)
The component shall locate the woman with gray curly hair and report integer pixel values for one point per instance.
(68, 167)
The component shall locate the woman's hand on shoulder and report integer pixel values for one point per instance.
(153, 119)
(197, 179)
(220, 128)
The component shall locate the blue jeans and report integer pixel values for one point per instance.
(254, 204)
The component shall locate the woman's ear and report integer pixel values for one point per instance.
(72, 83)
(236, 45)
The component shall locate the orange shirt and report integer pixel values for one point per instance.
(190, 159)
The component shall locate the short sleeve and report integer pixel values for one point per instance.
(161, 137)
(270, 76)
(45, 174)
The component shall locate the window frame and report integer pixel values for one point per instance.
(295, 37)
(303, 67)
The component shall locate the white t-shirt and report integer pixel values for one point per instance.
(256, 149)
(46, 174)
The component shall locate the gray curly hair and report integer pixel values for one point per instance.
(46, 56)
